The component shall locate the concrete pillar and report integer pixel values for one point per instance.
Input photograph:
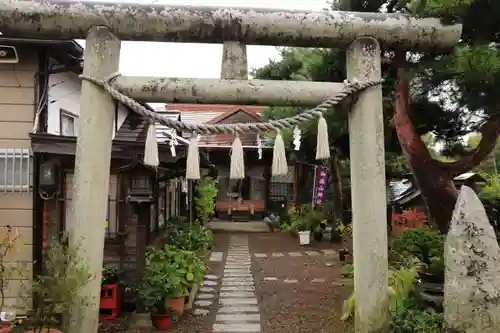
(366, 136)
(92, 165)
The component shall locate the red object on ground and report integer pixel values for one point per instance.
(109, 301)
(162, 322)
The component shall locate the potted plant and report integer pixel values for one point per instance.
(10, 240)
(191, 270)
(345, 253)
(316, 222)
(160, 282)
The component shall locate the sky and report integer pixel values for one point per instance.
(198, 60)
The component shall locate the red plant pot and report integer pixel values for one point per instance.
(162, 321)
(6, 327)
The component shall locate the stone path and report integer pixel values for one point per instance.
(239, 310)
(206, 295)
(327, 252)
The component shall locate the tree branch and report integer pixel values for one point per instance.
(489, 134)
(409, 138)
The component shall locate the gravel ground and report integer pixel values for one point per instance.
(313, 302)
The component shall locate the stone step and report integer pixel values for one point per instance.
(237, 328)
(241, 317)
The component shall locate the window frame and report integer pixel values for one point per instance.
(64, 113)
(20, 157)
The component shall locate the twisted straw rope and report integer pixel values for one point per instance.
(349, 89)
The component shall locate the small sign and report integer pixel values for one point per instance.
(320, 180)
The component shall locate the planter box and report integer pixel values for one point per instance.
(109, 302)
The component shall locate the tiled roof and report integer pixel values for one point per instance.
(213, 107)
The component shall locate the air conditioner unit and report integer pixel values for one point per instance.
(8, 54)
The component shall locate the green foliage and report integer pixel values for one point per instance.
(400, 283)
(188, 265)
(410, 318)
(347, 271)
(204, 201)
(57, 289)
(110, 275)
(490, 193)
(422, 245)
(160, 281)
(301, 218)
(191, 237)
(10, 242)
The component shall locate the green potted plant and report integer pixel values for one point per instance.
(160, 282)
(191, 270)
(345, 253)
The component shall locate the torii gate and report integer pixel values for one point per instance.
(104, 24)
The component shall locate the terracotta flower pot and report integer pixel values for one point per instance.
(162, 321)
(177, 304)
(6, 327)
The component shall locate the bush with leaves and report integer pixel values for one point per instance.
(192, 237)
(204, 202)
(10, 242)
(423, 244)
(400, 284)
(57, 288)
(161, 280)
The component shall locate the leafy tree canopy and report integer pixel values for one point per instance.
(452, 94)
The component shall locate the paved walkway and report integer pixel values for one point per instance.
(239, 310)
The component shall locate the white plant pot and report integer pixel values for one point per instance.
(305, 237)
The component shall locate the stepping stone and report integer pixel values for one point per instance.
(236, 294)
(237, 270)
(312, 253)
(237, 266)
(260, 255)
(237, 283)
(208, 283)
(241, 317)
(237, 328)
(241, 276)
(211, 277)
(204, 296)
(238, 301)
(207, 289)
(216, 256)
(318, 280)
(237, 288)
(329, 252)
(277, 254)
(203, 303)
(329, 264)
(270, 278)
(239, 309)
(230, 261)
(295, 254)
(238, 278)
(238, 273)
(200, 312)
(291, 281)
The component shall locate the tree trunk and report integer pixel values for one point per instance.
(338, 197)
(434, 178)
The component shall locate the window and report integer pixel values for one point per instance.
(15, 170)
(68, 124)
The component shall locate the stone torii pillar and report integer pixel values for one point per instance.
(368, 191)
(92, 165)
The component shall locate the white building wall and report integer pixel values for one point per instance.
(64, 94)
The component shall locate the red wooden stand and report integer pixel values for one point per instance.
(109, 302)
